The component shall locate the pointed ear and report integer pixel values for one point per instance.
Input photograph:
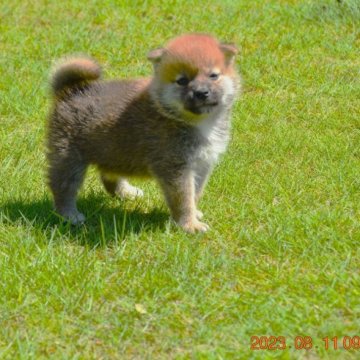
(229, 50)
(155, 55)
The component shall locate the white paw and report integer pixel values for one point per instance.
(202, 227)
(194, 226)
(74, 217)
(127, 191)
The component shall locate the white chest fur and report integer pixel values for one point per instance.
(216, 133)
(215, 129)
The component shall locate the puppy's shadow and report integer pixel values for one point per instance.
(106, 220)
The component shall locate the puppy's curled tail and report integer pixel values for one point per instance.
(73, 72)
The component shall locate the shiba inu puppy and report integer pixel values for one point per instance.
(171, 126)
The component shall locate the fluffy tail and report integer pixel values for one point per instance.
(74, 72)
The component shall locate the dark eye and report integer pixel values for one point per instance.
(214, 76)
(182, 81)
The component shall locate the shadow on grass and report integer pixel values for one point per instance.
(104, 224)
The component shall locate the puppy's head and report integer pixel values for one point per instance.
(194, 77)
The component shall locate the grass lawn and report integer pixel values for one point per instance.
(282, 256)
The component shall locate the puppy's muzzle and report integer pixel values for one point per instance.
(201, 94)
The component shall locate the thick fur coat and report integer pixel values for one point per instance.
(172, 126)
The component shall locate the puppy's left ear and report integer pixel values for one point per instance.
(155, 55)
(229, 51)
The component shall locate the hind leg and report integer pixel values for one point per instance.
(117, 186)
(66, 175)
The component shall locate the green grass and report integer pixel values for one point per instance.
(282, 256)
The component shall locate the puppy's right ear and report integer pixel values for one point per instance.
(155, 56)
(229, 51)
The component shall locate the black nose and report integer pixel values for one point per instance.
(201, 94)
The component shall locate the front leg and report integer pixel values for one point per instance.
(179, 191)
(201, 176)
